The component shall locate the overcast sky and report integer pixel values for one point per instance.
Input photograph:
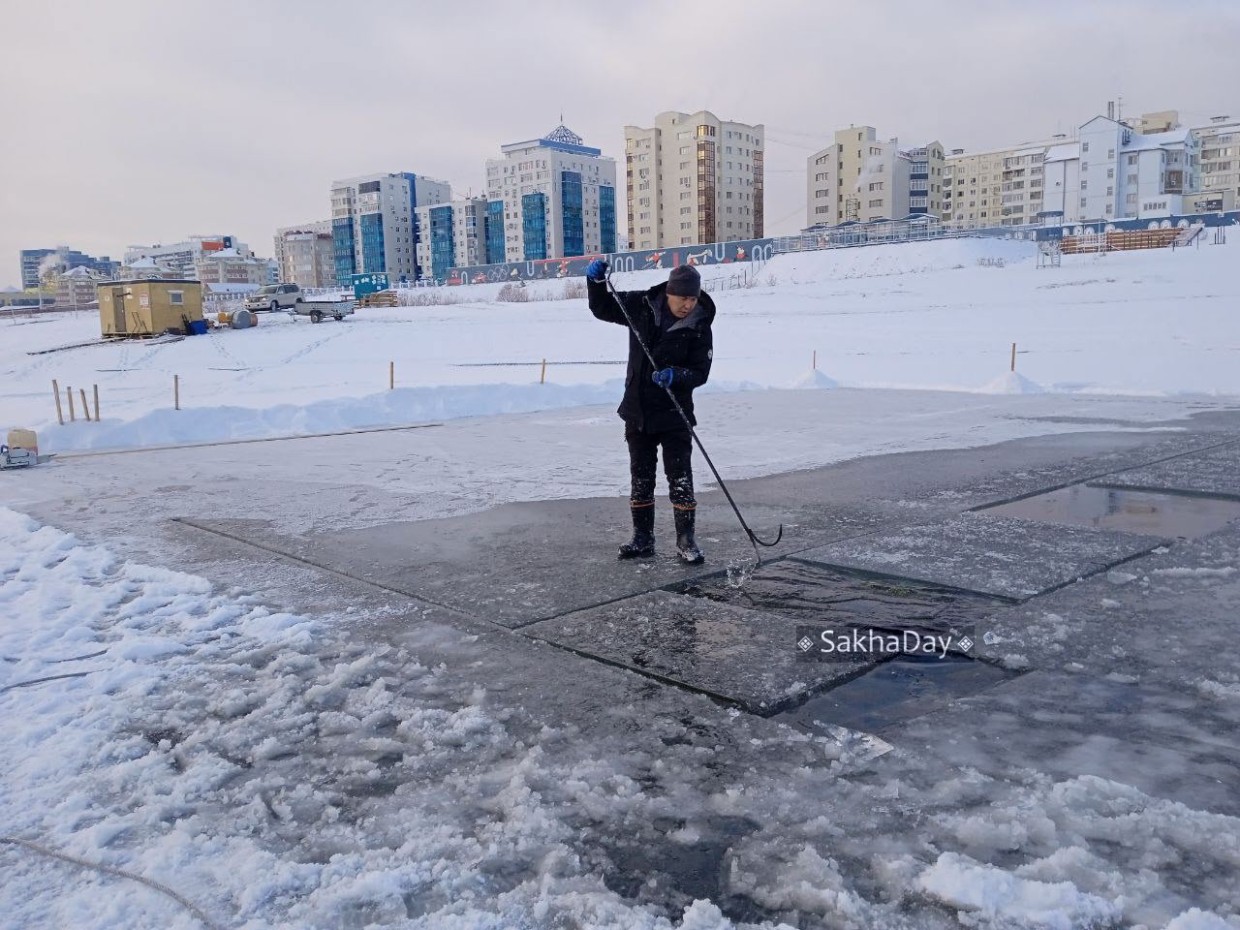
(140, 121)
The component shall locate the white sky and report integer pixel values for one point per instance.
(136, 121)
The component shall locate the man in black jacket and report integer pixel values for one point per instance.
(674, 320)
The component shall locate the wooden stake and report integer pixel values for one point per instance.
(176, 391)
(60, 416)
(85, 406)
(1013, 356)
(815, 360)
(69, 391)
(96, 387)
(542, 379)
(391, 376)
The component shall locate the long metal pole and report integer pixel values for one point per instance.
(754, 539)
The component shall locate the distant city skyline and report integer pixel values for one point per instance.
(235, 119)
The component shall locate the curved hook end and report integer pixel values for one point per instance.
(775, 542)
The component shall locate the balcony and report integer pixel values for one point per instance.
(1173, 182)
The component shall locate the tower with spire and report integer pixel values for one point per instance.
(550, 197)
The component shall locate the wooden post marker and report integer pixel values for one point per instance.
(72, 417)
(176, 391)
(96, 387)
(60, 416)
(542, 379)
(391, 376)
(85, 406)
(815, 360)
(1013, 356)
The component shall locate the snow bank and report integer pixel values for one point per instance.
(928, 316)
(1001, 896)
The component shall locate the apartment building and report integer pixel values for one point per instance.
(1220, 165)
(1113, 172)
(1061, 182)
(180, 259)
(550, 197)
(305, 254)
(39, 263)
(455, 236)
(925, 179)
(231, 266)
(692, 178)
(861, 178)
(76, 286)
(998, 187)
(374, 223)
(1126, 174)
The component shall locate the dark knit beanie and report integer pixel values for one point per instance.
(684, 281)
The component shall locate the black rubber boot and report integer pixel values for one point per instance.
(685, 543)
(642, 544)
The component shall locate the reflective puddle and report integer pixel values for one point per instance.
(1141, 512)
(898, 690)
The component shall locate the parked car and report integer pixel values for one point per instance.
(275, 297)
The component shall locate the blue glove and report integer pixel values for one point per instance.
(664, 378)
(597, 270)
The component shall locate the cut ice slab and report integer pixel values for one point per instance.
(1212, 473)
(747, 657)
(1008, 558)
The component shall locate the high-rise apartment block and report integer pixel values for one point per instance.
(550, 197)
(374, 223)
(860, 178)
(305, 254)
(693, 178)
(454, 235)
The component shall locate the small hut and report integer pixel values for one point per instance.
(148, 307)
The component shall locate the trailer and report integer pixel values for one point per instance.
(318, 310)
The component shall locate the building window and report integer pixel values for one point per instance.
(176, 298)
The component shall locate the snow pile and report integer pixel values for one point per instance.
(1002, 897)
(813, 379)
(1012, 383)
(401, 407)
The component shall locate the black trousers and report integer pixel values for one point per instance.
(677, 466)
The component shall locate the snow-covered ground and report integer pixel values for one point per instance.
(936, 315)
(281, 770)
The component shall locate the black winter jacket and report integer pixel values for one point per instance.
(686, 346)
